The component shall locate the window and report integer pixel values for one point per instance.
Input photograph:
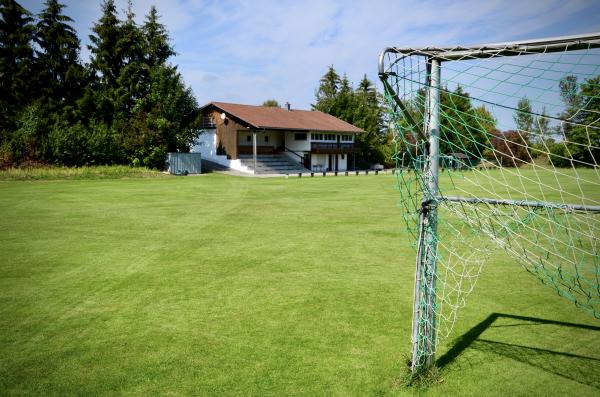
(342, 156)
(248, 138)
(317, 137)
(266, 138)
(300, 136)
(346, 138)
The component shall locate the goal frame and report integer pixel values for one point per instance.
(424, 316)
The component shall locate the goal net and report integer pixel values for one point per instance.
(497, 148)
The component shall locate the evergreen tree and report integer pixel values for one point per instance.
(359, 107)
(130, 48)
(57, 61)
(101, 96)
(463, 129)
(523, 116)
(344, 102)
(368, 113)
(582, 103)
(327, 92)
(156, 40)
(164, 120)
(368, 116)
(16, 62)
(106, 61)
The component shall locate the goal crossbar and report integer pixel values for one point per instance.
(524, 203)
(550, 45)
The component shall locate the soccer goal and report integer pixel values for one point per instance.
(497, 150)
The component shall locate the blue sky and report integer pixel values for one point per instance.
(250, 51)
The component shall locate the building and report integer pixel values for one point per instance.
(243, 136)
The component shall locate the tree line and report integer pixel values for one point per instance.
(362, 107)
(573, 142)
(472, 130)
(127, 105)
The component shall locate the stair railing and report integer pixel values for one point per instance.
(300, 156)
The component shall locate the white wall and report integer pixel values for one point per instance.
(297, 146)
(275, 138)
(322, 160)
(319, 162)
(342, 162)
(206, 143)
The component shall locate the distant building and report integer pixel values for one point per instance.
(235, 135)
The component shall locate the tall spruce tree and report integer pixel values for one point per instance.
(105, 67)
(158, 48)
(344, 101)
(368, 116)
(57, 61)
(16, 62)
(368, 110)
(327, 92)
(165, 112)
(106, 61)
(130, 48)
(463, 128)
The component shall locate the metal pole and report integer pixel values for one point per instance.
(424, 324)
(525, 203)
(254, 149)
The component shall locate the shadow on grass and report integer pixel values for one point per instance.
(579, 368)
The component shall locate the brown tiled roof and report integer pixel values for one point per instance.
(278, 118)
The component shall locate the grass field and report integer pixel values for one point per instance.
(217, 285)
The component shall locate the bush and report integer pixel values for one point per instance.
(558, 157)
(69, 144)
(26, 142)
(157, 159)
(6, 155)
(510, 149)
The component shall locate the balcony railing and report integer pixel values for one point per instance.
(332, 147)
(207, 123)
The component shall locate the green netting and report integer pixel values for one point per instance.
(519, 140)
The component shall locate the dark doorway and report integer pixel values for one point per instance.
(307, 161)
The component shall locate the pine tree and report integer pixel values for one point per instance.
(16, 62)
(130, 48)
(106, 61)
(165, 112)
(164, 120)
(463, 128)
(368, 109)
(57, 64)
(344, 101)
(327, 92)
(368, 116)
(156, 40)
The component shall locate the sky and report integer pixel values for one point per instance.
(250, 51)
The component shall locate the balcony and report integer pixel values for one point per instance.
(331, 148)
(207, 123)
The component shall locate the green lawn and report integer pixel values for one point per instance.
(217, 285)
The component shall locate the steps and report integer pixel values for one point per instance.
(272, 164)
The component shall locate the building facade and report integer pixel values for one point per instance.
(315, 140)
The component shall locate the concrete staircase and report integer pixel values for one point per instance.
(272, 164)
